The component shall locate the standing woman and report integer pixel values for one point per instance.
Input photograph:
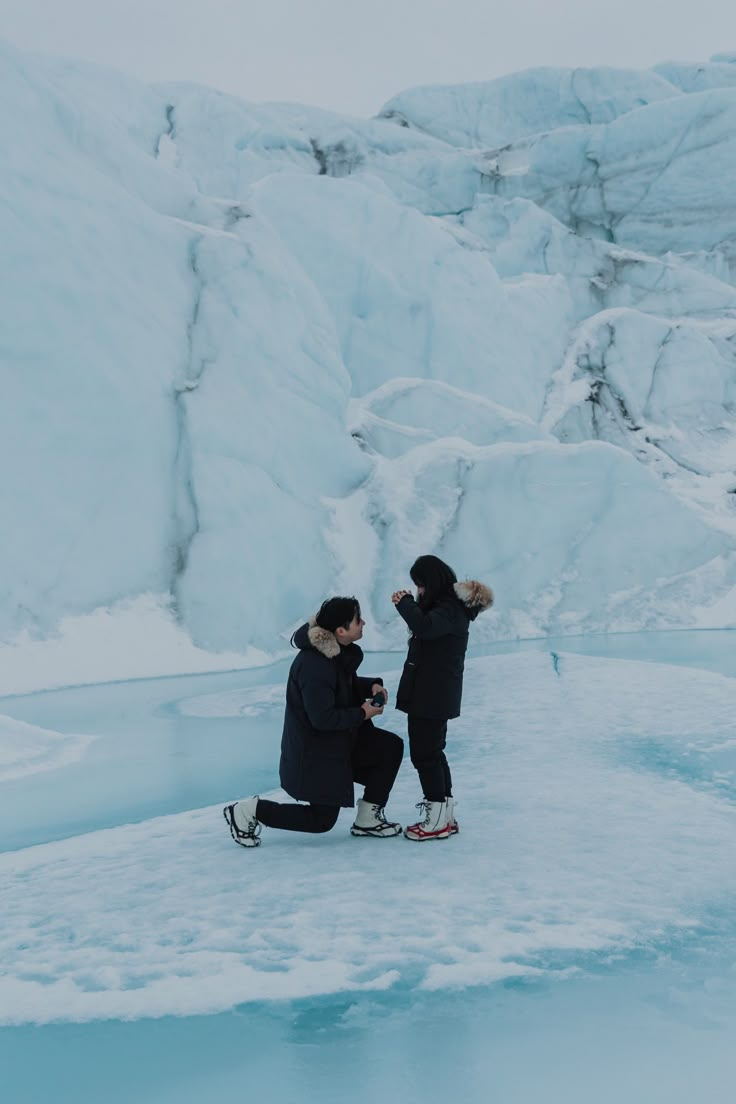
(431, 684)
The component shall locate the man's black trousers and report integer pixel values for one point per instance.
(375, 761)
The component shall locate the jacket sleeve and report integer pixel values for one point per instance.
(426, 626)
(365, 685)
(318, 695)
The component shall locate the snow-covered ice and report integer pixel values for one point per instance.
(597, 821)
(134, 638)
(496, 113)
(27, 749)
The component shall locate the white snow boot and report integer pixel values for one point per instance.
(454, 826)
(242, 821)
(371, 821)
(434, 825)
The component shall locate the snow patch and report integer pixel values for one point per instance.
(27, 749)
(139, 638)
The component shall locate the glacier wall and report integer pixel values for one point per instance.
(253, 354)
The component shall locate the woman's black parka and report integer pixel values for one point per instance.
(432, 680)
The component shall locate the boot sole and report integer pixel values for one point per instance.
(429, 836)
(373, 835)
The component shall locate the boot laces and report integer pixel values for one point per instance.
(423, 807)
(379, 813)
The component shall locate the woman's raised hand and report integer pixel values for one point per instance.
(398, 595)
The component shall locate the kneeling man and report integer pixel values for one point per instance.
(329, 740)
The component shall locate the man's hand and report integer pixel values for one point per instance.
(398, 595)
(371, 710)
(376, 688)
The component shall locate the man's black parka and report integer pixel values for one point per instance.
(323, 698)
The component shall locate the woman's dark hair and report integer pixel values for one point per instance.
(435, 576)
(335, 612)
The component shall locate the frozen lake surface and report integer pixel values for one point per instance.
(576, 942)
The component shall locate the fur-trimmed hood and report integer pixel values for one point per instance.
(475, 596)
(322, 640)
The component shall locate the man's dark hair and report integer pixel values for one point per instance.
(435, 576)
(336, 612)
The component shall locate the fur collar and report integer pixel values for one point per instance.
(474, 595)
(322, 640)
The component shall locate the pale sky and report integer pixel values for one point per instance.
(352, 56)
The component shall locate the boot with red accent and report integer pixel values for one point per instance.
(434, 825)
(454, 826)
